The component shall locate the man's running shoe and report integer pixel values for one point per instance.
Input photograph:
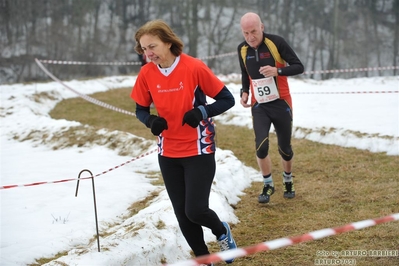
(266, 193)
(289, 190)
(226, 241)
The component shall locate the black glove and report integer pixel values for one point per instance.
(157, 124)
(192, 117)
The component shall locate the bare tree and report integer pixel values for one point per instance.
(396, 36)
(325, 34)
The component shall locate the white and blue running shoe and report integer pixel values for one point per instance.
(226, 241)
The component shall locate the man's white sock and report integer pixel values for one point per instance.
(287, 177)
(268, 180)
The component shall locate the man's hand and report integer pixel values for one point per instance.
(268, 71)
(244, 100)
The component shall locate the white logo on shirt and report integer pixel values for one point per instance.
(181, 87)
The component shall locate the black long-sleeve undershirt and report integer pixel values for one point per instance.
(224, 100)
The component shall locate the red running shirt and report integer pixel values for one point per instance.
(183, 89)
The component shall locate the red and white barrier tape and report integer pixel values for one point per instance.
(364, 69)
(72, 179)
(345, 92)
(84, 96)
(102, 104)
(284, 242)
(351, 70)
(61, 62)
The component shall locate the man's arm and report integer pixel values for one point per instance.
(295, 66)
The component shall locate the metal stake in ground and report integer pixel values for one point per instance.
(94, 200)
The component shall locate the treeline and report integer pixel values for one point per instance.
(326, 34)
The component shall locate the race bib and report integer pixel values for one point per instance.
(265, 90)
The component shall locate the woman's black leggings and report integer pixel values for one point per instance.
(188, 182)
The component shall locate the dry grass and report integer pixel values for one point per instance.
(334, 185)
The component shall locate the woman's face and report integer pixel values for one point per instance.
(157, 51)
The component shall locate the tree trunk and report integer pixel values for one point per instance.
(396, 37)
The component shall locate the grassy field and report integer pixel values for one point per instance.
(334, 186)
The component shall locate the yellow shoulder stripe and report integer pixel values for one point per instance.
(273, 49)
(244, 53)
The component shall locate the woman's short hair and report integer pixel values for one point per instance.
(162, 30)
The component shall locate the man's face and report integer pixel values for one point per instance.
(252, 32)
